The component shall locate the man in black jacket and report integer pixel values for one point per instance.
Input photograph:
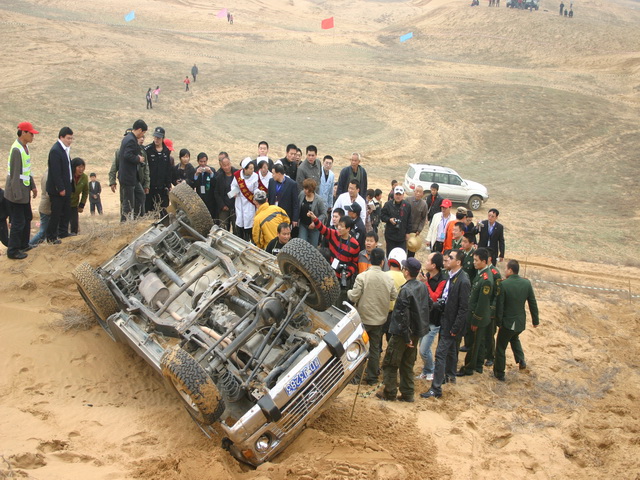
(353, 172)
(225, 206)
(492, 235)
(452, 324)
(409, 322)
(59, 185)
(289, 162)
(130, 157)
(434, 200)
(160, 168)
(283, 192)
(396, 214)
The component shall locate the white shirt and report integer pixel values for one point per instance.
(67, 151)
(344, 199)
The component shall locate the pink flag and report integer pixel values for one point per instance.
(222, 13)
(327, 23)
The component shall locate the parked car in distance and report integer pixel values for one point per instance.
(452, 186)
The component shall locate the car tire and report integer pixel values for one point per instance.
(184, 198)
(299, 257)
(475, 202)
(95, 292)
(193, 385)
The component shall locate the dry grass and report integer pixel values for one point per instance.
(8, 472)
(73, 320)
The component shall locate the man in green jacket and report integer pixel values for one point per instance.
(511, 317)
(479, 313)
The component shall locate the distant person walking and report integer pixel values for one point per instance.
(156, 92)
(561, 7)
(194, 72)
(149, 103)
(186, 83)
(228, 17)
(95, 191)
(231, 19)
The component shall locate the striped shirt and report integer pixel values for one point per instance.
(345, 251)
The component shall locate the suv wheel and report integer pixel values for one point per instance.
(95, 292)
(298, 256)
(184, 198)
(194, 386)
(475, 202)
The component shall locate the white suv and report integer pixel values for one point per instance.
(451, 185)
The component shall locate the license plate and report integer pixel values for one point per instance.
(301, 376)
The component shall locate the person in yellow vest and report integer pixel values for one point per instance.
(266, 220)
(18, 189)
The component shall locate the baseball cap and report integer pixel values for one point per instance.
(398, 190)
(445, 203)
(412, 264)
(354, 207)
(27, 127)
(259, 195)
(169, 144)
(158, 132)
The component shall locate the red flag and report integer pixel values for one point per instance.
(327, 23)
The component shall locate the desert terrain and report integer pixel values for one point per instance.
(541, 109)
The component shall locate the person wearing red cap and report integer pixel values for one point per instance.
(19, 187)
(438, 226)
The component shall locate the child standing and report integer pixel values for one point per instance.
(94, 194)
(186, 83)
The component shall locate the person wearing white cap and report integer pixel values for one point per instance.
(244, 184)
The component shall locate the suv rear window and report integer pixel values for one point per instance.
(411, 172)
(426, 176)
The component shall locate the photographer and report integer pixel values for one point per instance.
(396, 214)
(343, 250)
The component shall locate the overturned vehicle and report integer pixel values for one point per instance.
(248, 341)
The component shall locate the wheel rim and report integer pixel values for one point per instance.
(184, 395)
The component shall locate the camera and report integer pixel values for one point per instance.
(342, 275)
(398, 222)
(439, 305)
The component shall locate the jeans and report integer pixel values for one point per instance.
(425, 349)
(311, 236)
(40, 236)
(446, 362)
(20, 215)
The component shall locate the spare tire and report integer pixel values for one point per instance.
(184, 198)
(299, 257)
(95, 292)
(194, 386)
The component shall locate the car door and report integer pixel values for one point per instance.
(458, 191)
(442, 179)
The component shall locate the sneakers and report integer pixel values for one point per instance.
(425, 376)
(430, 394)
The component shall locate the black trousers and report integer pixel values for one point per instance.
(59, 219)
(20, 216)
(446, 361)
(391, 244)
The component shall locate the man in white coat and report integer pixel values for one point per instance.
(438, 226)
(244, 183)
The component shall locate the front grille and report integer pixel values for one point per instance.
(311, 395)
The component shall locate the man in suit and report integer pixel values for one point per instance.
(95, 190)
(492, 235)
(59, 184)
(283, 192)
(454, 305)
(130, 157)
(511, 317)
(352, 172)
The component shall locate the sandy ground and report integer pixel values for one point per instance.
(541, 109)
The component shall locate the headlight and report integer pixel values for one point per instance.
(353, 351)
(263, 443)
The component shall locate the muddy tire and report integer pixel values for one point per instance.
(95, 292)
(184, 198)
(299, 257)
(475, 202)
(194, 386)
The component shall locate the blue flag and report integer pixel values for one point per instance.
(130, 16)
(406, 37)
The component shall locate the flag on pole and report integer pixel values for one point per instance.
(130, 16)
(327, 23)
(406, 37)
(222, 13)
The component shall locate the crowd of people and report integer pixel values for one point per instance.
(456, 294)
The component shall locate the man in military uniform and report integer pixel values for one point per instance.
(479, 313)
(511, 317)
(490, 339)
(467, 244)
